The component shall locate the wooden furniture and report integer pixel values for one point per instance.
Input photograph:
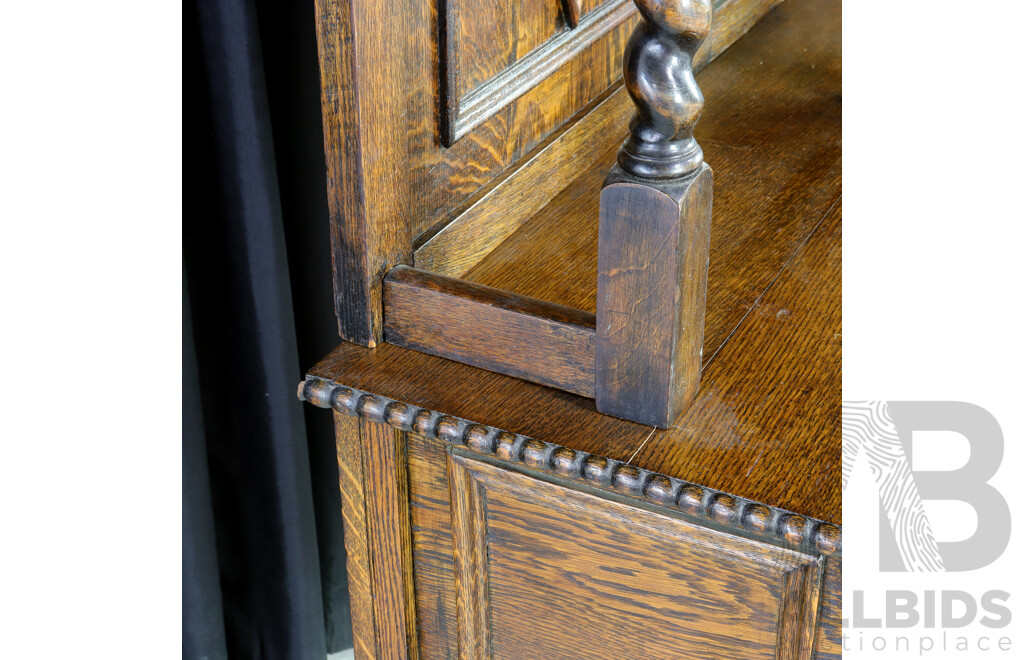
(492, 514)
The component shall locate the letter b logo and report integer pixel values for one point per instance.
(882, 431)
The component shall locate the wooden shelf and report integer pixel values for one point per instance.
(766, 424)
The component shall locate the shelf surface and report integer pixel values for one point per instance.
(766, 423)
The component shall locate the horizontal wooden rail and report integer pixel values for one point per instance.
(492, 329)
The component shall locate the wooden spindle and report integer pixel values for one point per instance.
(655, 226)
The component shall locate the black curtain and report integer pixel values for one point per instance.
(263, 573)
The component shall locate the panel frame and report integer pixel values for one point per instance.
(461, 114)
(801, 575)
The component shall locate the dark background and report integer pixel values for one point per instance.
(263, 554)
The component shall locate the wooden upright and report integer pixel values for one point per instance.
(655, 226)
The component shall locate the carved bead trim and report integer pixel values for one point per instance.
(722, 510)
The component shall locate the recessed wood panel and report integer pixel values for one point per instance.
(495, 34)
(497, 50)
(545, 571)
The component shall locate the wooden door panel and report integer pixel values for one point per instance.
(544, 571)
(496, 51)
(496, 34)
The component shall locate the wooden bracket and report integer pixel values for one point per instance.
(655, 226)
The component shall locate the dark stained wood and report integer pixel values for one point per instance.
(484, 327)
(490, 398)
(655, 224)
(651, 287)
(658, 73)
(389, 178)
(574, 9)
(366, 233)
(643, 582)
(613, 478)
(493, 515)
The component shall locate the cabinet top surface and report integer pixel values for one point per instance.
(766, 423)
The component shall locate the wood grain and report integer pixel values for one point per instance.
(484, 327)
(364, 237)
(390, 179)
(828, 645)
(502, 64)
(469, 545)
(651, 286)
(644, 582)
(778, 378)
(434, 571)
(494, 35)
(576, 9)
(776, 174)
(501, 208)
(434, 574)
(615, 478)
(494, 216)
(657, 69)
(389, 545)
(776, 178)
(357, 534)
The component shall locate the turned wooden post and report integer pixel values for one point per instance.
(655, 226)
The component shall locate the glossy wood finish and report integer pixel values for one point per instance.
(655, 225)
(389, 177)
(498, 50)
(489, 328)
(777, 172)
(367, 230)
(651, 286)
(391, 181)
(778, 176)
(535, 553)
(657, 69)
(528, 512)
(780, 374)
(502, 206)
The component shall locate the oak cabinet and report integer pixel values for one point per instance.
(504, 276)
